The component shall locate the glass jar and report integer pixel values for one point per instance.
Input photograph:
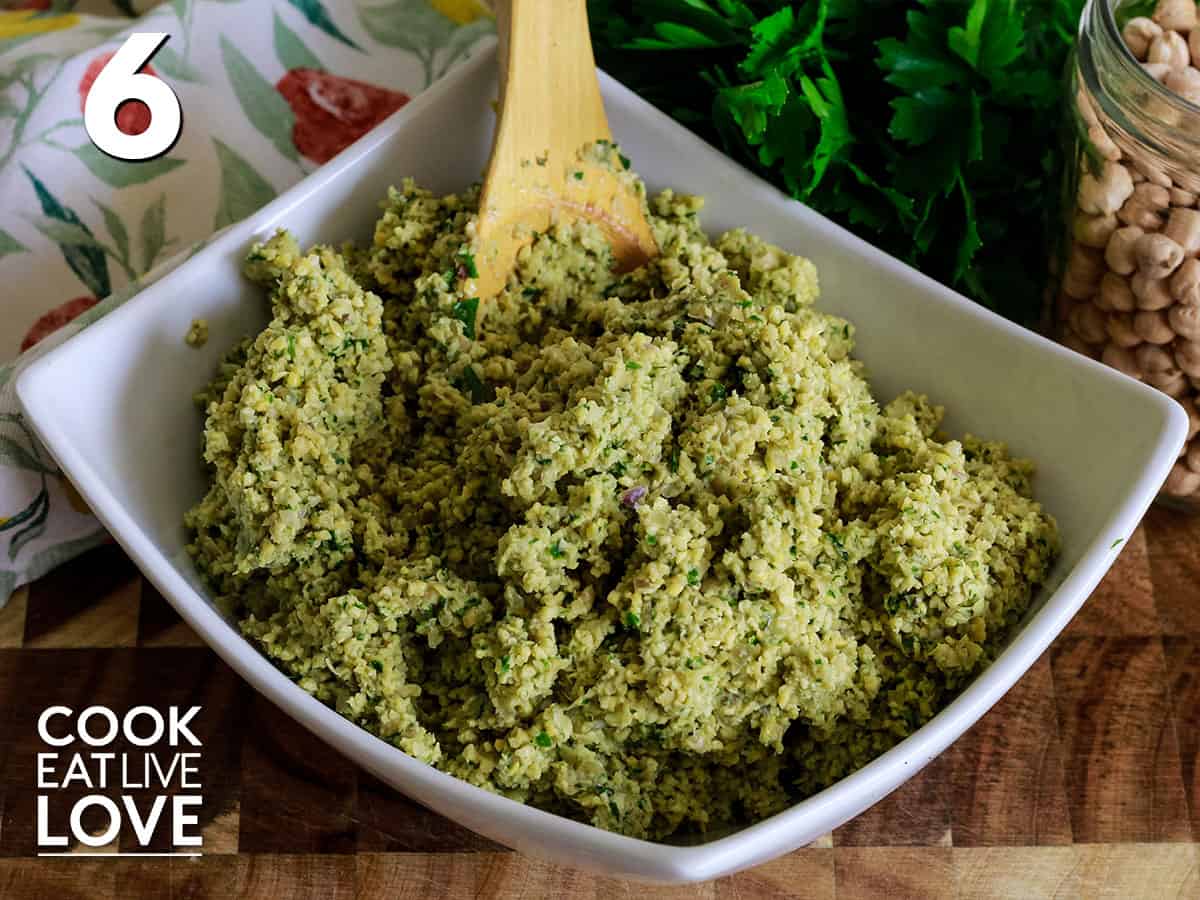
(1129, 286)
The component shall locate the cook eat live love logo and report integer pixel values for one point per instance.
(170, 777)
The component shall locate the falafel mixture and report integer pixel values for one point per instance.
(639, 549)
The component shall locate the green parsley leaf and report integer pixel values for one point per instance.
(943, 150)
(465, 311)
(471, 385)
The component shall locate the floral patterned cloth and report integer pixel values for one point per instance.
(270, 89)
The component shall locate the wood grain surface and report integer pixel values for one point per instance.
(1084, 781)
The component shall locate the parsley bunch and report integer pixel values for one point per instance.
(929, 128)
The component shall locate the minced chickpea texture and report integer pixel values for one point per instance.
(1130, 291)
(639, 549)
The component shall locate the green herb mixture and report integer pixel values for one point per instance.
(931, 129)
(641, 550)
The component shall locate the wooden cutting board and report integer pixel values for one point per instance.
(1082, 782)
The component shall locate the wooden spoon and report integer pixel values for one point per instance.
(550, 109)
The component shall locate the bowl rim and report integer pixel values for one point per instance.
(747, 846)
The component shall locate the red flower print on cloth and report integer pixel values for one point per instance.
(50, 322)
(333, 112)
(133, 116)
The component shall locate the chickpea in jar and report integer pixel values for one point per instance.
(1129, 289)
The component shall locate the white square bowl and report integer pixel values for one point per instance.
(114, 406)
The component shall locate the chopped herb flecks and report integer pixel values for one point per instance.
(467, 258)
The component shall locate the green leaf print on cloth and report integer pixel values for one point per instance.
(174, 66)
(291, 50)
(243, 190)
(154, 231)
(122, 174)
(317, 15)
(19, 447)
(13, 453)
(413, 25)
(65, 233)
(9, 244)
(85, 259)
(116, 228)
(28, 524)
(266, 110)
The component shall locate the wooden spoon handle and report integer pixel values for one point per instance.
(548, 79)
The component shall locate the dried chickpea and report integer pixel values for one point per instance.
(1138, 33)
(1174, 15)
(1169, 48)
(1187, 357)
(1151, 293)
(1121, 359)
(1173, 384)
(1181, 482)
(1135, 212)
(1153, 196)
(1185, 283)
(1189, 407)
(1120, 329)
(1085, 268)
(1183, 227)
(1157, 71)
(1104, 145)
(1185, 83)
(1088, 323)
(1119, 254)
(1072, 341)
(1115, 294)
(1185, 321)
(1157, 255)
(1154, 360)
(1094, 231)
(1191, 457)
(1105, 194)
(1152, 326)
